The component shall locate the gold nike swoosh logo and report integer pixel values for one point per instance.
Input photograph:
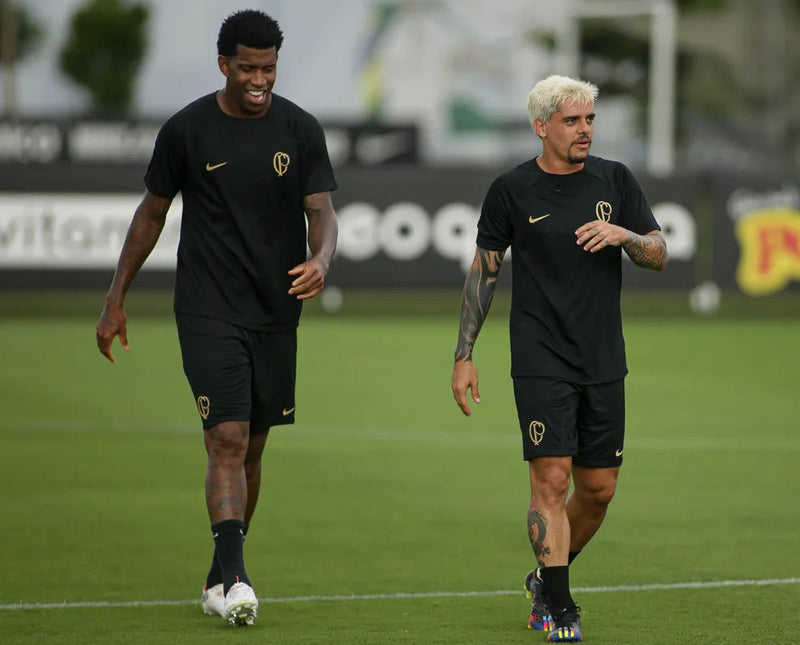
(209, 167)
(286, 412)
(533, 220)
(619, 452)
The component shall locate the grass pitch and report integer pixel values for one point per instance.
(386, 516)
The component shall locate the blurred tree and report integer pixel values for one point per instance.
(738, 104)
(19, 33)
(104, 52)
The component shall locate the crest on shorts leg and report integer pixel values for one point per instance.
(536, 432)
(203, 406)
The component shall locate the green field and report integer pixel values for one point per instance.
(386, 516)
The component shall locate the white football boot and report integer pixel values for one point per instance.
(213, 600)
(241, 605)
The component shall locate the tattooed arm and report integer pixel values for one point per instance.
(477, 297)
(648, 251)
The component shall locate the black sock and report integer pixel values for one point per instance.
(572, 556)
(214, 576)
(556, 586)
(228, 540)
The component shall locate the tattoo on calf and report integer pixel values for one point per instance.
(537, 532)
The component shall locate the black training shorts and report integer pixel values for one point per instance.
(558, 418)
(239, 374)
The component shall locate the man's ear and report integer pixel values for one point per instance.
(222, 61)
(538, 127)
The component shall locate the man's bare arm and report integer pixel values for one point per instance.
(322, 227)
(647, 251)
(309, 276)
(143, 233)
(477, 297)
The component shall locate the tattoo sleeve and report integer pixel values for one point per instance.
(647, 251)
(477, 297)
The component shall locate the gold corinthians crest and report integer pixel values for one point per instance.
(602, 211)
(536, 432)
(203, 406)
(280, 162)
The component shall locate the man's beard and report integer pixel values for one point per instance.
(577, 159)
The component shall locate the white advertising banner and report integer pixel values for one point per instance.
(410, 227)
(76, 231)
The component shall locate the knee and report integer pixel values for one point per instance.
(550, 481)
(252, 469)
(227, 441)
(252, 459)
(600, 494)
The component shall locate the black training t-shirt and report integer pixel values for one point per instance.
(243, 225)
(565, 317)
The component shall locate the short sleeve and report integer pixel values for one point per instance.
(317, 170)
(636, 213)
(494, 224)
(166, 171)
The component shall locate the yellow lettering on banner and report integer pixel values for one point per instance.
(769, 258)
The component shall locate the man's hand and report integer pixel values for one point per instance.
(465, 376)
(310, 280)
(112, 323)
(597, 235)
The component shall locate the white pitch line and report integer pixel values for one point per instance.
(399, 596)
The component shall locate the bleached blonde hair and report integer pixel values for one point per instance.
(548, 94)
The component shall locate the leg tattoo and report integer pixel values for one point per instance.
(537, 532)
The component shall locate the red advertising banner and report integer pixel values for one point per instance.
(757, 236)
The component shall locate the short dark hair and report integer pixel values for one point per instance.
(249, 28)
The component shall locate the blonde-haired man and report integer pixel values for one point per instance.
(567, 216)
